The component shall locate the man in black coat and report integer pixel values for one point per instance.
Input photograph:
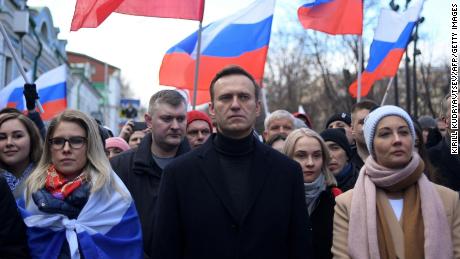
(141, 169)
(233, 197)
(13, 239)
(447, 165)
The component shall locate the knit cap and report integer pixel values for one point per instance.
(197, 115)
(116, 142)
(343, 116)
(373, 119)
(338, 136)
(427, 122)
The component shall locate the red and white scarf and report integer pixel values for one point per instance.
(59, 186)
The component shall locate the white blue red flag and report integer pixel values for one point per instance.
(107, 227)
(332, 16)
(391, 37)
(51, 88)
(241, 39)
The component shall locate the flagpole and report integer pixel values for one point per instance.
(387, 91)
(197, 65)
(264, 102)
(18, 63)
(360, 65)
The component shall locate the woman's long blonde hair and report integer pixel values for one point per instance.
(297, 134)
(97, 167)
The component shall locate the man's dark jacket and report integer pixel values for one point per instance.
(13, 239)
(196, 217)
(140, 173)
(447, 165)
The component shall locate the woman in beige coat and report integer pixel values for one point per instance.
(394, 211)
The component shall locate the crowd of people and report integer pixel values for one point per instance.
(372, 183)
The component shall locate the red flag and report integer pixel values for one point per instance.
(91, 13)
(332, 16)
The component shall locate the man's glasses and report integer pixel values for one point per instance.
(74, 142)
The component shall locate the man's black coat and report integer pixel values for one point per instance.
(196, 218)
(141, 175)
(13, 239)
(446, 164)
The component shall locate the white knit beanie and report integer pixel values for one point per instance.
(373, 119)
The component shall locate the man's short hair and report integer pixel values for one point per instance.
(445, 105)
(364, 104)
(233, 70)
(171, 97)
(276, 115)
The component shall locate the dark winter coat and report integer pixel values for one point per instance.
(355, 158)
(322, 220)
(13, 239)
(347, 181)
(141, 175)
(196, 218)
(446, 164)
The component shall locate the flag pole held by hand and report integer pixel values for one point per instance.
(18, 63)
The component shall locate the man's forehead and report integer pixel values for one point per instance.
(281, 121)
(198, 124)
(339, 122)
(168, 109)
(360, 113)
(234, 84)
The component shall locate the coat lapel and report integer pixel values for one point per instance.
(210, 166)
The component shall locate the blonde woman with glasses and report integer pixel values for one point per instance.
(75, 205)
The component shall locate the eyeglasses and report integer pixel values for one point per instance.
(74, 142)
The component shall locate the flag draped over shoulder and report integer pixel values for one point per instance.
(91, 13)
(107, 227)
(332, 16)
(51, 88)
(241, 39)
(391, 37)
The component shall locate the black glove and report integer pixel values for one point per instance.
(31, 95)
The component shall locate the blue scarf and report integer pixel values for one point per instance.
(343, 173)
(14, 181)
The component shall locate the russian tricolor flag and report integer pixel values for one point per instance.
(332, 16)
(51, 88)
(240, 39)
(107, 227)
(391, 37)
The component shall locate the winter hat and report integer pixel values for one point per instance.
(116, 142)
(427, 122)
(343, 116)
(197, 115)
(304, 117)
(338, 136)
(373, 119)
